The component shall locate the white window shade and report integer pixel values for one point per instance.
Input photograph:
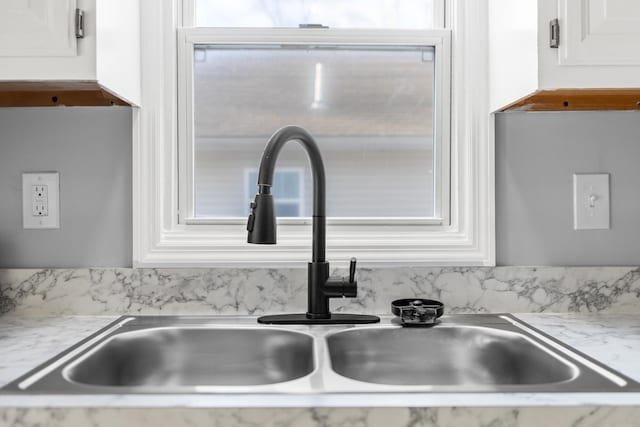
(408, 14)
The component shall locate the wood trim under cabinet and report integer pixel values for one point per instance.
(56, 93)
(578, 100)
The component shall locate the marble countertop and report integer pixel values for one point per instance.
(613, 339)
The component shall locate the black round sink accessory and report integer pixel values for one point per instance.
(417, 311)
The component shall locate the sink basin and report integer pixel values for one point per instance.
(180, 356)
(189, 354)
(450, 355)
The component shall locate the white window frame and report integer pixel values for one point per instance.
(467, 238)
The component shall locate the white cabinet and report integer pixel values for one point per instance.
(599, 47)
(37, 28)
(38, 44)
(600, 32)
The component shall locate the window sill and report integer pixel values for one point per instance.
(407, 244)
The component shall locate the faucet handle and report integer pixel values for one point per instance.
(352, 270)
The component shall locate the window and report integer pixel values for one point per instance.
(370, 108)
(287, 191)
(405, 141)
(369, 101)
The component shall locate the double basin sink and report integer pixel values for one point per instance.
(464, 353)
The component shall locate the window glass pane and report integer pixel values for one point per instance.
(333, 13)
(370, 110)
(286, 192)
(286, 185)
(287, 209)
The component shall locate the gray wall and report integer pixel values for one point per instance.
(536, 157)
(91, 149)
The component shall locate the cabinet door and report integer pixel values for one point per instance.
(599, 32)
(37, 28)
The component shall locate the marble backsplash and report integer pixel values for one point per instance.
(98, 291)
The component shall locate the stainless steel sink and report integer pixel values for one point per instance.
(463, 353)
(449, 355)
(173, 354)
(180, 356)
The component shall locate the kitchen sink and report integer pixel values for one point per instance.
(185, 354)
(180, 356)
(176, 354)
(450, 355)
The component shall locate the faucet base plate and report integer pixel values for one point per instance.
(302, 319)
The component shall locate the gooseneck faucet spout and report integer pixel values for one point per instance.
(264, 231)
(261, 227)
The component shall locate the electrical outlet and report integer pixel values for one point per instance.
(40, 200)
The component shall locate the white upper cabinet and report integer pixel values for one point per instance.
(599, 46)
(37, 28)
(38, 43)
(600, 32)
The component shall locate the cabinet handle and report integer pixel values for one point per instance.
(554, 33)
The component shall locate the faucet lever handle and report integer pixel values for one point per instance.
(352, 270)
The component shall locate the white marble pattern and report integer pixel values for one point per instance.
(325, 417)
(614, 339)
(28, 342)
(109, 291)
(348, 400)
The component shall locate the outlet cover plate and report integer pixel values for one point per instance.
(41, 200)
(591, 203)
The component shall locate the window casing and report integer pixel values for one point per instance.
(165, 236)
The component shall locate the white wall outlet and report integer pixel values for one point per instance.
(591, 204)
(41, 200)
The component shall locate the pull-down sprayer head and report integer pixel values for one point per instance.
(261, 224)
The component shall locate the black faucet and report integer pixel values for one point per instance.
(261, 226)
